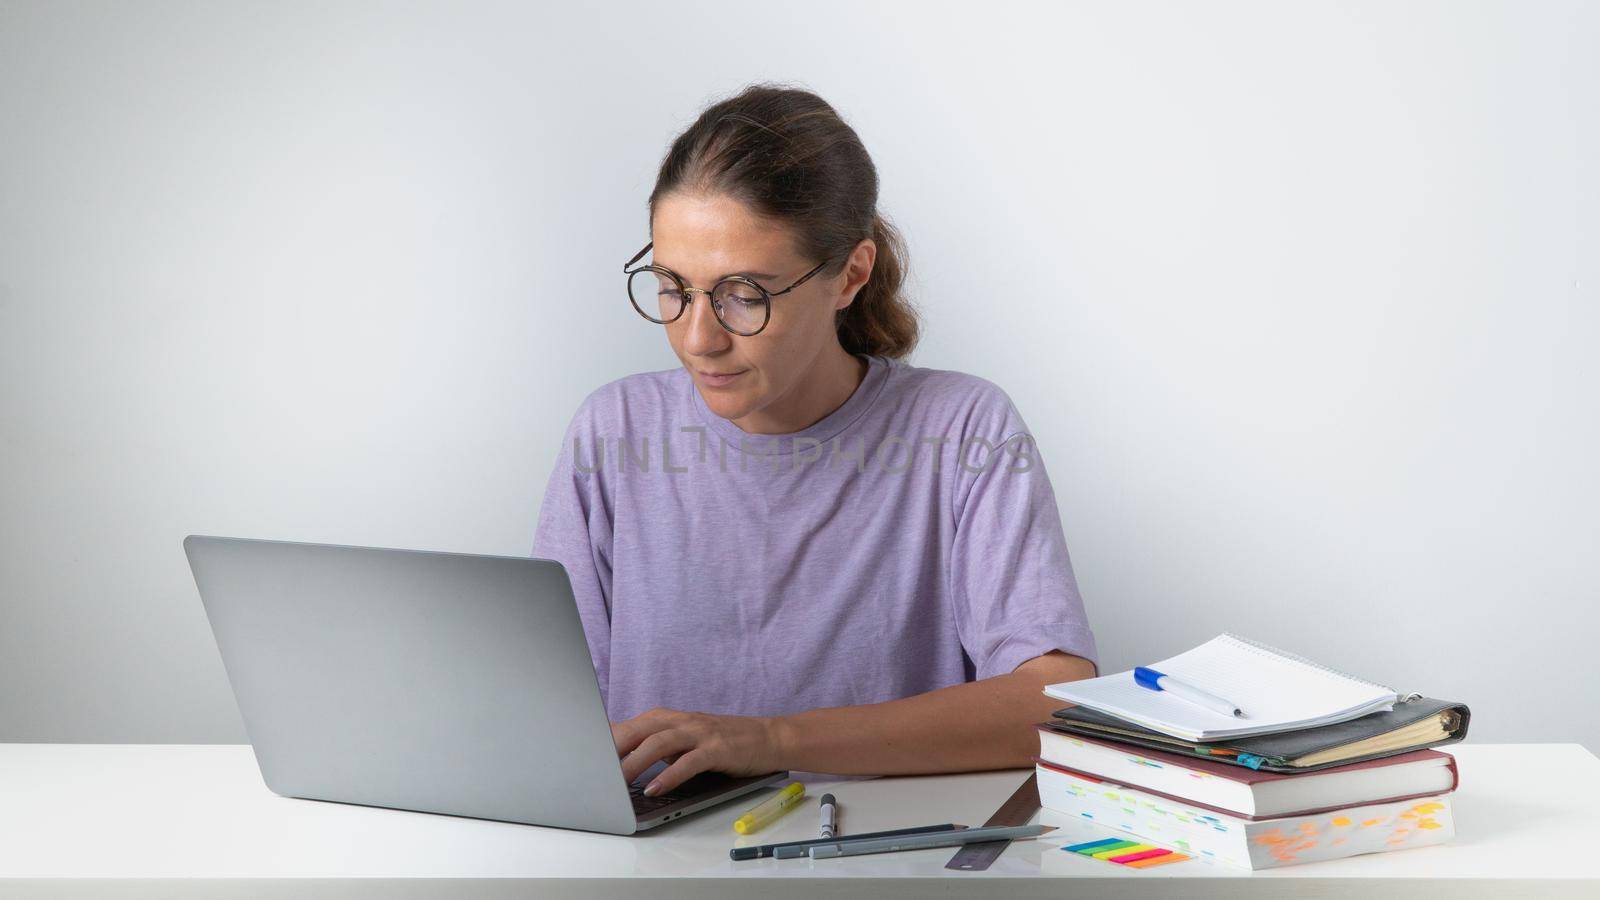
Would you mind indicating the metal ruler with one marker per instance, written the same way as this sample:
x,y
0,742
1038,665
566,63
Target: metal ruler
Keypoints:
x,y
976,857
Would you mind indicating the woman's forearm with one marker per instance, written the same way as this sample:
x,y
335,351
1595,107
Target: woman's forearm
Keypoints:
x,y
974,726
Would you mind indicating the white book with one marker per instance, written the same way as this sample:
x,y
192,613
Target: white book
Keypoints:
x,y
1277,691
1252,844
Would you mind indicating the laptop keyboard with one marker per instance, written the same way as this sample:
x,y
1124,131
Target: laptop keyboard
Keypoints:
x,y
696,787
643,804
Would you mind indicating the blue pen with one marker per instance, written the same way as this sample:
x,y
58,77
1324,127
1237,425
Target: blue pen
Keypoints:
x,y
1160,681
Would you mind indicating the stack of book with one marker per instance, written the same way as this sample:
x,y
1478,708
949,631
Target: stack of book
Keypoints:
x,y
1316,765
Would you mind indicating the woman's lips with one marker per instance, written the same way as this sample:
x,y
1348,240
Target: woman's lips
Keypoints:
x,y
719,380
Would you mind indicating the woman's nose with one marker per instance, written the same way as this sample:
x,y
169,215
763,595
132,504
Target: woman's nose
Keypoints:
x,y
705,334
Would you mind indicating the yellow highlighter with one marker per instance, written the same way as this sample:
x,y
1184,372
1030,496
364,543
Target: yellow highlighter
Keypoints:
x,y
775,806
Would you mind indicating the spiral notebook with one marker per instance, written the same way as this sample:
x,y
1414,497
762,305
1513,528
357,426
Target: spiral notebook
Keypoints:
x,y
1278,691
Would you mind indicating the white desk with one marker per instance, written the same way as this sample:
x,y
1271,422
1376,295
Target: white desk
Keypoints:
x,y
169,821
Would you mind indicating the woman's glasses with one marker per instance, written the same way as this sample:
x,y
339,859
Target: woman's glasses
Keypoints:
x,y
742,306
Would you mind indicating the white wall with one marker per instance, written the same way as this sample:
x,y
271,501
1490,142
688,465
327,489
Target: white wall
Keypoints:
x,y
1296,297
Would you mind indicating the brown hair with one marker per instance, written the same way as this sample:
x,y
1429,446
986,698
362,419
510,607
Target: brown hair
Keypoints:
x,y
788,156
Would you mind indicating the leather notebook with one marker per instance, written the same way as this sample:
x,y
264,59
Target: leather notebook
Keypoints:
x,y
1415,722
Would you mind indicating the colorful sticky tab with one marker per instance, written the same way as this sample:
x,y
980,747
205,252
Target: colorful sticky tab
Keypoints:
x,y
1112,853
1113,849
1136,855
1127,853
1157,861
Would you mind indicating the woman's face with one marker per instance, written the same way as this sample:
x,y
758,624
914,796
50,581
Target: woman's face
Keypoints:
x,y
704,239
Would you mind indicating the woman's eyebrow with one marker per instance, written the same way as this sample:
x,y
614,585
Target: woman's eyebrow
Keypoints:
x,y
767,275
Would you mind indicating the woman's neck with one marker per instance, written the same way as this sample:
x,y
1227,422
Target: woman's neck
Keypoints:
x,y
830,383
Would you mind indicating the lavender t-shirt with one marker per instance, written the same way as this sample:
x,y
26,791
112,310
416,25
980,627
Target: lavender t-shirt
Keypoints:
x,y
908,541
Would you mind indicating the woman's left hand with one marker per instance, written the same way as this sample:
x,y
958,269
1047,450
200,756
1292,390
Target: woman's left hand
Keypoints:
x,y
694,742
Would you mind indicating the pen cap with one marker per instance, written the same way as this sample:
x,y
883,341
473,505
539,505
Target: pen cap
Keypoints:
x,y
1146,677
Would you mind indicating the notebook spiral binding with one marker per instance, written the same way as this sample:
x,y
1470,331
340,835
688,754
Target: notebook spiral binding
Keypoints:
x,y
1407,698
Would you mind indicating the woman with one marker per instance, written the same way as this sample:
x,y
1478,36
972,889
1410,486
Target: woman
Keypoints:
x,y
798,551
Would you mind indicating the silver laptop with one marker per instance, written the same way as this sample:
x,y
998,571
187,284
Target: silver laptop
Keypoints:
x,y
439,682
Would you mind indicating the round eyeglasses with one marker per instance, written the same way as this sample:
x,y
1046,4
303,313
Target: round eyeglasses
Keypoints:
x,y
741,305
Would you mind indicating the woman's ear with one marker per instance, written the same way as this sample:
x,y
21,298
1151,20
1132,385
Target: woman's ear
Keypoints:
x,y
858,268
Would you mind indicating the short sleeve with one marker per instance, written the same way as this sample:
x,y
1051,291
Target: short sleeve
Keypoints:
x,y
1012,583
575,530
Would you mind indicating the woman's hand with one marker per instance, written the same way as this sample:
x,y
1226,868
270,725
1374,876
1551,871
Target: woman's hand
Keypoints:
x,y
694,742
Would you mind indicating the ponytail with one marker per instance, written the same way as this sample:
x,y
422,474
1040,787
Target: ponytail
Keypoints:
x,y
880,321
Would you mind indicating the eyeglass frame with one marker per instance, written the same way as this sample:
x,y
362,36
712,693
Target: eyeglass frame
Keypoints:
x,y
689,291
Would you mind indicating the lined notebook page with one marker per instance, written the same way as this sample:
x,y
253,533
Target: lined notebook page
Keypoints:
x,y
1276,692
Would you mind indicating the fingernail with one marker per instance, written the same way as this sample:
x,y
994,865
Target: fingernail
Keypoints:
x,y
652,789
